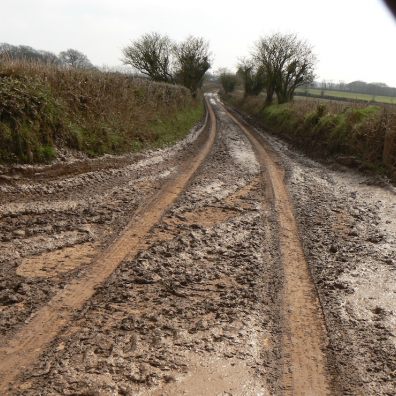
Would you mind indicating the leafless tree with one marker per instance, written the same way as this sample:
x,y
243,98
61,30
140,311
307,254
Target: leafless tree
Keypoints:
x,y
192,62
287,62
26,53
151,55
74,58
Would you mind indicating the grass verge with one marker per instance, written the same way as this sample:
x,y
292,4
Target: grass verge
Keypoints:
x,y
357,135
171,129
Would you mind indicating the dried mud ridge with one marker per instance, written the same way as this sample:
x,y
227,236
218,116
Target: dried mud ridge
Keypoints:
x,y
209,292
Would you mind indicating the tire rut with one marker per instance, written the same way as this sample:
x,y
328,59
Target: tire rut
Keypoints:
x,y
305,366
195,311
205,292
19,352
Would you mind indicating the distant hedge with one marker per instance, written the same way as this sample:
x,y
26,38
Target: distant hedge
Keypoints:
x,y
363,136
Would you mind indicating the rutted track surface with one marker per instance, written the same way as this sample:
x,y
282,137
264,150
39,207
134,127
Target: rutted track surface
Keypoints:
x,y
22,348
305,367
209,305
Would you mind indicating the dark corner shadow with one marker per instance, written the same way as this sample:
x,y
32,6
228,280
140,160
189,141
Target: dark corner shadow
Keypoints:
x,y
391,4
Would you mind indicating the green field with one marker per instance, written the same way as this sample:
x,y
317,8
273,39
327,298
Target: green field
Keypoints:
x,y
317,92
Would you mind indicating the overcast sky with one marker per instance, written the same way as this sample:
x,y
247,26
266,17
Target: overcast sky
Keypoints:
x,y
353,39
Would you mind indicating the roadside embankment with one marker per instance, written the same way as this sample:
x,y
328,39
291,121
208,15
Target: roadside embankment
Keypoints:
x,y
47,112
355,135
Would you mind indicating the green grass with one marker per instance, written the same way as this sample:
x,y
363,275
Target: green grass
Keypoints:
x,y
28,115
168,131
354,131
316,92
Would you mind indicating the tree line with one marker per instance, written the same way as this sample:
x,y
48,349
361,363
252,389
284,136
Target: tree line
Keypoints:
x,y
375,89
69,57
278,64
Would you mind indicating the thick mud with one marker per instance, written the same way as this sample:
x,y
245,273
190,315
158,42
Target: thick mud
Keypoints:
x,y
51,231
194,312
200,310
347,223
305,364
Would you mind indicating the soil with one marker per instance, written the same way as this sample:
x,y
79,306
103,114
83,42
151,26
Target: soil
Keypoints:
x,y
228,264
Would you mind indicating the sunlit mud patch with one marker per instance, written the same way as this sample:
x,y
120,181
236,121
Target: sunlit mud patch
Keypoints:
x,y
243,155
373,298
213,377
56,262
207,216
244,197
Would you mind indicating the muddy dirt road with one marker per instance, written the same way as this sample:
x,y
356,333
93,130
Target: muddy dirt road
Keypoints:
x,y
225,265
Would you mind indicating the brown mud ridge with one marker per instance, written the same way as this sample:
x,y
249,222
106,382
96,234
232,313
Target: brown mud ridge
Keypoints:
x,y
16,173
187,271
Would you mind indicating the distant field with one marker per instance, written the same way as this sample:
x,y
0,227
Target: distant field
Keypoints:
x,y
346,95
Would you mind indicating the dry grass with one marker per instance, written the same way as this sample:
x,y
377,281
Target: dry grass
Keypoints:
x,y
43,107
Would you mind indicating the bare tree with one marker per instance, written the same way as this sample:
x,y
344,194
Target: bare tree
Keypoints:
x,y
26,53
192,62
287,62
228,81
253,77
74,58
151,55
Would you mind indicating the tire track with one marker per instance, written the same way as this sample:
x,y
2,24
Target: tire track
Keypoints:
x,y
19,352
192,313
304,333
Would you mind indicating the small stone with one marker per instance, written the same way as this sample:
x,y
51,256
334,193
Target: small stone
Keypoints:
x,y
23,289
